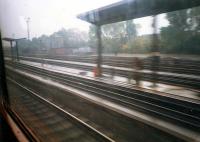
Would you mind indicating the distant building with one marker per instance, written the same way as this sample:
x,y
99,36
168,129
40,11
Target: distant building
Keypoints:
x,y
57,42
60,51
84,50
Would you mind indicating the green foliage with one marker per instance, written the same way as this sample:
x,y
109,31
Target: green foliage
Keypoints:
x,y
113,36
182,35
117,36
92,37
131,29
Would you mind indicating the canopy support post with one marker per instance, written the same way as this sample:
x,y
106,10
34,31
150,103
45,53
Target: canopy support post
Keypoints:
x,y
17,50
12,52
99,50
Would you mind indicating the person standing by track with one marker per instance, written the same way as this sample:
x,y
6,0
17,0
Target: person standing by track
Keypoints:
x,y
137,66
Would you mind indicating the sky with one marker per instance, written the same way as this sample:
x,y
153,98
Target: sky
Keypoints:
x,y
49,16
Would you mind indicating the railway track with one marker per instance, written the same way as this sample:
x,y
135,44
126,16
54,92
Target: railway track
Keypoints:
x,y
166,64
166,78
183,113
49,122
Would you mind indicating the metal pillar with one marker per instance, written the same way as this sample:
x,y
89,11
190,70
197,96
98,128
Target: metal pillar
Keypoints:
x,y
17,50
155,45
99,50
155,51
28,27
12,52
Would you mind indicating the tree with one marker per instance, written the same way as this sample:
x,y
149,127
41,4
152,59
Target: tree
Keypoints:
x,y
182,35
92,37
114,36
131,29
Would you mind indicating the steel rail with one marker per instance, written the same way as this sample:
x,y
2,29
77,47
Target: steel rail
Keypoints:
x,y
76,121
180,79
188,119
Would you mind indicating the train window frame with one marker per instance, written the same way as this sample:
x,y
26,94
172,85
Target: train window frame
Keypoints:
x,y
84,16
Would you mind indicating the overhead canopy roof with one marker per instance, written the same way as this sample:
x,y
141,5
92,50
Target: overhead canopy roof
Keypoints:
x,y
12,39
131,9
